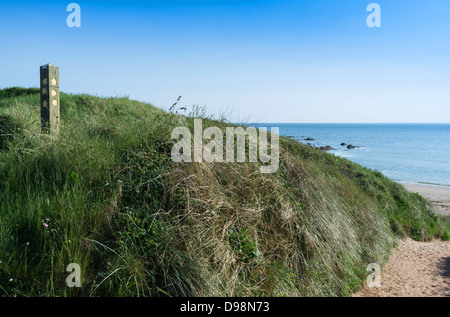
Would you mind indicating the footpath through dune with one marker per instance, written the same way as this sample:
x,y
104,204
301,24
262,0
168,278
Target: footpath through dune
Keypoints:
x,y
417,269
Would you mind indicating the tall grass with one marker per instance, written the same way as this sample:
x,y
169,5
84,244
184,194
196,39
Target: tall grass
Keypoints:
x,y
140,225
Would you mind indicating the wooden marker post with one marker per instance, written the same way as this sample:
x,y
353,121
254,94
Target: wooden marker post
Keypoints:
x,y
50,112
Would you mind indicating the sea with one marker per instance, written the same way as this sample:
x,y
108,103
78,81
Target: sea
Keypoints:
x,y
415,153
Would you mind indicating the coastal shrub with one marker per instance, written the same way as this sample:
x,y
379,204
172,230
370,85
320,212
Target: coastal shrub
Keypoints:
x,y
445,220
17,92
242,244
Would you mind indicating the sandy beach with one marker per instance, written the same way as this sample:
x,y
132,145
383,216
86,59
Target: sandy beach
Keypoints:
x,y
439,196
418,269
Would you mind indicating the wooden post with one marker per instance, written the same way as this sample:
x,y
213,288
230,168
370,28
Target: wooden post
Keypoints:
x,y
50,112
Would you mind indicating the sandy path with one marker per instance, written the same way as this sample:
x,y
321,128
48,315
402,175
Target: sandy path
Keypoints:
x,y
417,269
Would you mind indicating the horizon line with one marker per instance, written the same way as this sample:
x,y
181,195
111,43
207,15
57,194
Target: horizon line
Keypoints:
x,y
347,123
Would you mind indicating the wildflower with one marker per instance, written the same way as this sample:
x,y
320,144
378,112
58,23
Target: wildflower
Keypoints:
x,y
45,225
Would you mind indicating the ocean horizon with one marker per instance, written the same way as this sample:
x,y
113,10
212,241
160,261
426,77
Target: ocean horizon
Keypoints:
x,y
404,152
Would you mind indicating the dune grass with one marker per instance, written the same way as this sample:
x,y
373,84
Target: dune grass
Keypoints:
x,y
139,224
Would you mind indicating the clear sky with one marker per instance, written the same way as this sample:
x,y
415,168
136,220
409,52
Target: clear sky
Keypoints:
x,y
260,60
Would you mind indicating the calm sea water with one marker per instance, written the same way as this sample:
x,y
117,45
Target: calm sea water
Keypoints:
x,y
402,152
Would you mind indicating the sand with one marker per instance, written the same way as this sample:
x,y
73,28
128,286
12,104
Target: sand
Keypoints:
x,y
439,196
417,269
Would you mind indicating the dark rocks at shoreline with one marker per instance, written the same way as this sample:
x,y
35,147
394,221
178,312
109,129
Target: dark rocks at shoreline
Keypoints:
x,y
329,147
326,148
350,146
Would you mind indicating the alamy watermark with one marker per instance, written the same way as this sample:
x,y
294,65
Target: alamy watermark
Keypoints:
x,y
74,18
374,18
74,279
374,279
238,140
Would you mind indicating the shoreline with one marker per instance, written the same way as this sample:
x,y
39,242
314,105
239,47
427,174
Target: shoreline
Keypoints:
x,y
421,183
438,195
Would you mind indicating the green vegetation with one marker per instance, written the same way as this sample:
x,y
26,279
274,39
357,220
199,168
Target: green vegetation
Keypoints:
x,y
141,225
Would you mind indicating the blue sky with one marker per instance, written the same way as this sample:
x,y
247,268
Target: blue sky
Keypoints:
x,y
256,60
